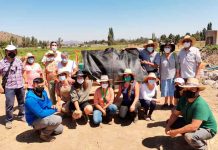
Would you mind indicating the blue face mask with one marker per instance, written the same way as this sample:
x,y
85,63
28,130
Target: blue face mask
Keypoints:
x,y
150,49
64,61
152,82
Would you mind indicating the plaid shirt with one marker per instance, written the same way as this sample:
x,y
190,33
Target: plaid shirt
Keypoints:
x,y
15,76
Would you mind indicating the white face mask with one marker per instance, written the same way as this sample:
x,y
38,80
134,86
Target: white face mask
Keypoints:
x,y
62,78
187,44
151,82
64,61
31,60
104,85
150,49
54,48
49,58
80,81
167,50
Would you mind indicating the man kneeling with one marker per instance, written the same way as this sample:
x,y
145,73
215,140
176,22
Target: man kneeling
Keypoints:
x,y
40,113
197,123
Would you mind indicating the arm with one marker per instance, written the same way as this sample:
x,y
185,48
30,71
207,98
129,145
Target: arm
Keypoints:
x,y
111,91
198,70
136,99
76,104
198,60
96,98
175,114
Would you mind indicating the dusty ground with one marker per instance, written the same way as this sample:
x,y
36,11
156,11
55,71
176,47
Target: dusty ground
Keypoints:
x,y
121,135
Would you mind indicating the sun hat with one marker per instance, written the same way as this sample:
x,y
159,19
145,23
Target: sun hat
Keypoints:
x,y
151,42
63,70
127,71
29,55
179,80
150,75
172,45
10,48
193,83
187,37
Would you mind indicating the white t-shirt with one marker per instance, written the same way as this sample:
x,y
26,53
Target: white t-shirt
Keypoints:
x,y
145,93
56,59
69,67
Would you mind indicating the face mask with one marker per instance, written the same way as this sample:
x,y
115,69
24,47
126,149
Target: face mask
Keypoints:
x,y
190,94
127,79
104,85
62,78
64,61
30,60
187,44
177,92
39,89
150,49
167,50
11,55
80,81
151,82
54,48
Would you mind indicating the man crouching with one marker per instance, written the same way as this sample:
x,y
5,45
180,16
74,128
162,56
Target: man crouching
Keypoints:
x,y
197,123
40,113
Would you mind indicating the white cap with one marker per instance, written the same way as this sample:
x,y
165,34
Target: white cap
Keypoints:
x,y
179,80
10,47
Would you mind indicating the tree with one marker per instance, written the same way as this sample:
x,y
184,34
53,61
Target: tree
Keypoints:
x,y
177,38
110,36
171,38
13,40
203,34
153,37
209,26
163,38
60,42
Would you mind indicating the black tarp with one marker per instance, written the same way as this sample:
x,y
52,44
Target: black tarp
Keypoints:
x,y
112,62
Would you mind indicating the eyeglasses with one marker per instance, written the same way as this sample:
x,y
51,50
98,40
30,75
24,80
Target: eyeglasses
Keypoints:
x,y
53,45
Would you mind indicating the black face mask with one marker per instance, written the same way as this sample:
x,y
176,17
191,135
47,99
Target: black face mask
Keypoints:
x,y
190,94
177,92
39,89
11,55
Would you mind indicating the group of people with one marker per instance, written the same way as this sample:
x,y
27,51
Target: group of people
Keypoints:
x,y
69,90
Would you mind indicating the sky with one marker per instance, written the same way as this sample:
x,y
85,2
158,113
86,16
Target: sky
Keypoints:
x,y
84,20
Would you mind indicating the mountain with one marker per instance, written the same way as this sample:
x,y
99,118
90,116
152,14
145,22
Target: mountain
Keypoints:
x,y
72,42
7,37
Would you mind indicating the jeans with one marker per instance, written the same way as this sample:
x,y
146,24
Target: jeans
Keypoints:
x,y
48,125
51,89
97,114
148,105
195,139
10,96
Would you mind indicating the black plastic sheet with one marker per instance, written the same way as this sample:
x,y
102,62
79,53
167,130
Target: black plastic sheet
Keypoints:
x,y
112,63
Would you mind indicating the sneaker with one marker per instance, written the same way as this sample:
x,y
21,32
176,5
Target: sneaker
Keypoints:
x,y
147,118
111,121
8,125
152,119
171,106
22,118
46,138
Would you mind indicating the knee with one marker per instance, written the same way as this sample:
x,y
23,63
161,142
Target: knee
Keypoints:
x,y
97,117
123,111
58,120
88,109
59,129
113,108
188,137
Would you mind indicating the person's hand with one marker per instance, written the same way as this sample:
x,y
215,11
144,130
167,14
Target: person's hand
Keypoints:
x,y
172,133
167,129
104,113
1,90
132,108
54,107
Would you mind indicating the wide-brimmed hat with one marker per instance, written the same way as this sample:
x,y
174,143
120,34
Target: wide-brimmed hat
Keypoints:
x,y
127,71
193,83
10,48
187,37
63,70
29,55
172,45
79,73
179,80
151,42
150,75
104,78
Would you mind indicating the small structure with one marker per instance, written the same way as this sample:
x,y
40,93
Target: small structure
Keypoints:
x,y
211,37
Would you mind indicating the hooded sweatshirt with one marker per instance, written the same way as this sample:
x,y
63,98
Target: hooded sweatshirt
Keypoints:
x,y
37,107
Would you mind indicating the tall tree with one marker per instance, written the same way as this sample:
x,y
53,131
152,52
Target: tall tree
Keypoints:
x,y
60,42
110,36
209,26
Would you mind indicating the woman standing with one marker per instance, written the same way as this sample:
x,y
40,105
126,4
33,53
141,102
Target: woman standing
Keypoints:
x,y
168,70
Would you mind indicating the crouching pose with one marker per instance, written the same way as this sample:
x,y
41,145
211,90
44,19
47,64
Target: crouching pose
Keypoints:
x,y
40,113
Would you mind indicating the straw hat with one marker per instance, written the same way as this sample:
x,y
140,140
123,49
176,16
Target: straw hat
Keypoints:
x,y
104,78
193,83
29,55
151,42
127,71
150,75
50,52
10,48
187,37
62,70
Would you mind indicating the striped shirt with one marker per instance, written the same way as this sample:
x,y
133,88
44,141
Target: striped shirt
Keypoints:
x,y
15,76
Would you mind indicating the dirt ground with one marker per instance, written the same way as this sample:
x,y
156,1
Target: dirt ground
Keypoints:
x,y
85,136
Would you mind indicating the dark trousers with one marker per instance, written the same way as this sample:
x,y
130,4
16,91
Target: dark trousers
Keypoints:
x,y
148,105
10,96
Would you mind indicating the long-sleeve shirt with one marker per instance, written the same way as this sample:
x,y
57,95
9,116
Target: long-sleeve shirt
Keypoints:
x,y
37,107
